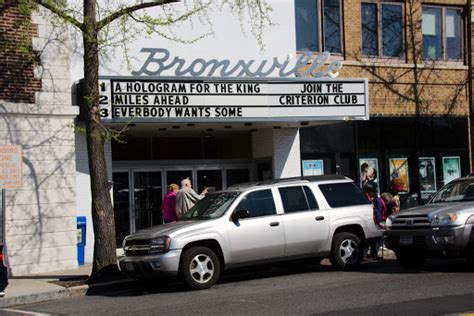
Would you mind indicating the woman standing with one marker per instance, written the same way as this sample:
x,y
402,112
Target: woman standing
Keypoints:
x,y
169,204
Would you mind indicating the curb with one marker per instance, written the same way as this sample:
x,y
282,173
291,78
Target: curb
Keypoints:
x,y
73,291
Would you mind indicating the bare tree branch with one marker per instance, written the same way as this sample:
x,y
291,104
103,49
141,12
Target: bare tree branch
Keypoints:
x,y
128,10
51,6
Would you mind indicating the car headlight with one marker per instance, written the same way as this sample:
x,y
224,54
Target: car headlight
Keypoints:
x,y
160,244
444,220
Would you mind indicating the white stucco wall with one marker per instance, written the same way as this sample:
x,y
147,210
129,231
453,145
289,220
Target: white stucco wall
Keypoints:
x,y
40,217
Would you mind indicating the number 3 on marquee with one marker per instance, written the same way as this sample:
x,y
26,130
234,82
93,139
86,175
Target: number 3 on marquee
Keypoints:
x,y
104,112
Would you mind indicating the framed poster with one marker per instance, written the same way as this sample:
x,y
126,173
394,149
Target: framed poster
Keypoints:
x,y
369,171
313,167
399,174
451,168
427,172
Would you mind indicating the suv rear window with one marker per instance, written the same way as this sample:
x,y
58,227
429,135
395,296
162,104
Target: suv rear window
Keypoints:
x,y
297,199
343,194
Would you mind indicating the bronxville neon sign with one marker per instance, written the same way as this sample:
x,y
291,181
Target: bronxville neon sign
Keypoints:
x,y
159,60
306,88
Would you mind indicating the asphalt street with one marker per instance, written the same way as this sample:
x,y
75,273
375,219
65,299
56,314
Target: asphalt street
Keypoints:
x,y
297,289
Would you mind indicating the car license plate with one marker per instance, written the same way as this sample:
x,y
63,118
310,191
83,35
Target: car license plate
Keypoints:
x,y
129,266
406,240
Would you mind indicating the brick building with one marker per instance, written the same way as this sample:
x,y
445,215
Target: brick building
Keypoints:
x,y
415,56
414,130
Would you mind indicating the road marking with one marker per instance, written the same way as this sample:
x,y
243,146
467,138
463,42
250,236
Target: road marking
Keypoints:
x,y
7,312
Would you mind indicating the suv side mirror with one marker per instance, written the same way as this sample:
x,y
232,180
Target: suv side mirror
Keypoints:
x,y
240,214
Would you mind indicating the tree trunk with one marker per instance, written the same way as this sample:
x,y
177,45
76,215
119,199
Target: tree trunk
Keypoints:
x,y
105,257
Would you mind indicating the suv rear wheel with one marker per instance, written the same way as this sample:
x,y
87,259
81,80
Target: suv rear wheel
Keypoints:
x,y
347,251
200,268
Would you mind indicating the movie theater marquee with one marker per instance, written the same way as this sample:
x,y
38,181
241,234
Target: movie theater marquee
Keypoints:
x,y
176,100
305,89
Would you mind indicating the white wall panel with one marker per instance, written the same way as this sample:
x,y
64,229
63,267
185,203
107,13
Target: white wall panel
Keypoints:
x,y
34,226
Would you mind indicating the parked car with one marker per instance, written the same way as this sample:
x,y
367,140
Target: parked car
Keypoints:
x,y
441,228
248,224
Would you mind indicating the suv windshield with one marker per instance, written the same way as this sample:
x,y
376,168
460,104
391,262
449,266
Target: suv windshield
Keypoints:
x,y
212,206
456,191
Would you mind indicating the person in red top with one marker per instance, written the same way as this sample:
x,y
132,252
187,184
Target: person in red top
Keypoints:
x,y
169,204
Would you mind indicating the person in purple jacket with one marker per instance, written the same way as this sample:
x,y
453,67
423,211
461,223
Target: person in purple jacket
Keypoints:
x,y
169,204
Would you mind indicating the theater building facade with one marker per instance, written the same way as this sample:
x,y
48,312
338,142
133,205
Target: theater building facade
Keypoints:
x,y
414,56
378,91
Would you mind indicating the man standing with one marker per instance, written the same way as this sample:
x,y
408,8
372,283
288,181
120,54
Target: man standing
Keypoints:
x,y
186,197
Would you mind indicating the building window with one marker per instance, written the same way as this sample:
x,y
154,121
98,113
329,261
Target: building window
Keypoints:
x,y
382,29
318,25
442,33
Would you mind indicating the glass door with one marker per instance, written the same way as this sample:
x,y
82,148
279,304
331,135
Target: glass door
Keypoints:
x,y
175,176
121,193
210,179
147,198
236,176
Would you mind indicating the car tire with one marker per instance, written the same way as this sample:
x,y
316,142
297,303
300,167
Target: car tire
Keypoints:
x,y
410,259
200,268
347,251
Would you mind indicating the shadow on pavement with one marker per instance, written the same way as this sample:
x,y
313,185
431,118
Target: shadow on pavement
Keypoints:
x,y
432,265
391,266
140,287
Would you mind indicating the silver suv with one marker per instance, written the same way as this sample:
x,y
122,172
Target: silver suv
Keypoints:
x,y
265,222
441,228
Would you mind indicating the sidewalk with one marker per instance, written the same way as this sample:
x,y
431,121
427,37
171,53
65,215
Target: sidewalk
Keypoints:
x,y
38,288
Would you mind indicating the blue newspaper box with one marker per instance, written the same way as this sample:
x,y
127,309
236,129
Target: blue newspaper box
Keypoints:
x,y
81,238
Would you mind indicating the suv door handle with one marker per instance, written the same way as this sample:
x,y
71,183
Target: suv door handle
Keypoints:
x,y
273,224
319,218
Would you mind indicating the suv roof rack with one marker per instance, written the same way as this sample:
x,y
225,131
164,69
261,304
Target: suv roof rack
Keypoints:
x,y
292,179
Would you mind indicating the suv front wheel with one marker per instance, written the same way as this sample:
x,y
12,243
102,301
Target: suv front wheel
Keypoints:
x,y
347,251
200,268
